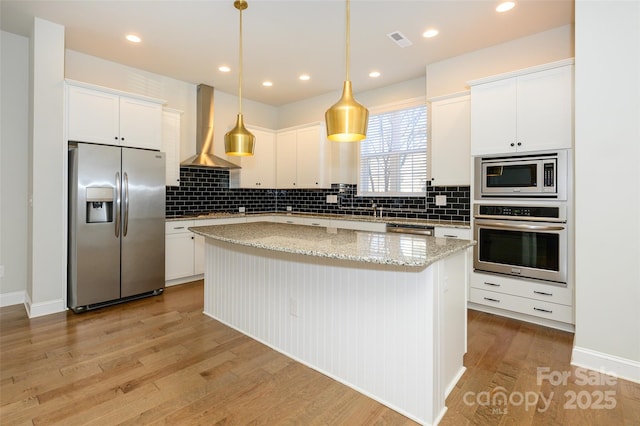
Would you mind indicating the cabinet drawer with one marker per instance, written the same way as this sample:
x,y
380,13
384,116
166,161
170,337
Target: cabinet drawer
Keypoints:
x,y
523,288
538,308
177,226
447,232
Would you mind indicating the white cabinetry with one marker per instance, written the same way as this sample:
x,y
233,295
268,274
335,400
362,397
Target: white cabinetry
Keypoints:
x,y
179,250
449,232
109,117
528,110
450,159
537,301
258,170
171,144
303,158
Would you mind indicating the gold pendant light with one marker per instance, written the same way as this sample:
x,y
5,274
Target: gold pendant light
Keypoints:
x,y
347,120
239,141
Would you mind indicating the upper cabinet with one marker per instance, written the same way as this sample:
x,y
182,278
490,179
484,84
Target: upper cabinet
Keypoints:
x,y
171,131
528,110
450,159
258,170
303,157
103,116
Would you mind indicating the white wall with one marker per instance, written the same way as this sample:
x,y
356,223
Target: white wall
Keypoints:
x,y
46,227
14,133
607,157
451,75
178,94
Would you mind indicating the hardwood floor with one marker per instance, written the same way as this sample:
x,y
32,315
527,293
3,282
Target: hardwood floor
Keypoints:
x,y
161,361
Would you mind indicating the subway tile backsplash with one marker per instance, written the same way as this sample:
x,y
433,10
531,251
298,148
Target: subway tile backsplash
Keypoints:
x,y
204,190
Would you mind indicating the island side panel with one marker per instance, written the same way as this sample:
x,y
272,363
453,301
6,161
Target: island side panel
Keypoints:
x,y
372,327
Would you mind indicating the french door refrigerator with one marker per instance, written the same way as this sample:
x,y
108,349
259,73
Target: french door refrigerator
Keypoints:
x,y
116,224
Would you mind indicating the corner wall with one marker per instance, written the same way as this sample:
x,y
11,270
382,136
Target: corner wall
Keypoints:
x,y
14,111
607,155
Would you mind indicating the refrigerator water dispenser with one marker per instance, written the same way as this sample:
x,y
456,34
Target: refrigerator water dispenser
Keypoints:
x,y
99,204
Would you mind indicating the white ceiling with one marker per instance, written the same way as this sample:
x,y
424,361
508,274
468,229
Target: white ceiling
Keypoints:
x,y
189,40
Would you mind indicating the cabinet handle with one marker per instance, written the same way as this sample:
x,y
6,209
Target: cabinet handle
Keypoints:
x,y
192,237
315,224
116,138
512,144
519,143
450,236
542,293
122,139
492,284
178,227
492,300
546,311
289,221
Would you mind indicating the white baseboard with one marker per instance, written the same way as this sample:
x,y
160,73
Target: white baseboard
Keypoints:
x,y
13,298
622,368
43,308
184,280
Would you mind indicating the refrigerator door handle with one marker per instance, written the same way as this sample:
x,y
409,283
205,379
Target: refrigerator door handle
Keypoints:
x,y
118,203
125,224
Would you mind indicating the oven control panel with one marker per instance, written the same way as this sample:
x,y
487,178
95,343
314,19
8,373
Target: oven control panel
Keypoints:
x,y
519,211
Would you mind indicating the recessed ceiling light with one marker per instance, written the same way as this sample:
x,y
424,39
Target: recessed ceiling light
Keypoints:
x,y
267,83
304,77
374,74
224,68
505,6
431,32
133,38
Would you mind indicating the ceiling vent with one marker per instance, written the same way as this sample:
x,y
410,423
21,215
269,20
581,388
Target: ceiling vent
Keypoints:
x,y
398,38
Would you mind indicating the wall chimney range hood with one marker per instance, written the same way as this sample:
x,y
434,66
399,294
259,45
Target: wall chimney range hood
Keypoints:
x,y
204,134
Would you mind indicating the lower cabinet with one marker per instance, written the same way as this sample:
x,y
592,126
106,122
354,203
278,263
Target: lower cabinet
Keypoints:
x,y
179,250
522,297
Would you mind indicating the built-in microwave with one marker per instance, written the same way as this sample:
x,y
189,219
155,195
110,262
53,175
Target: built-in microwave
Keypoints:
x,y
522,176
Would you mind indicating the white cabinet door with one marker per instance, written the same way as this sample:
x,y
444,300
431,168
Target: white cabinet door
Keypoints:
x,y
140,123
286,157
450,159
493,117
179,255
171,145
258,170
545,105
92,116
313,158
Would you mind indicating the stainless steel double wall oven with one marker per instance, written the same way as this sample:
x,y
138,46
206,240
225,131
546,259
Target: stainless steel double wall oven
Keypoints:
x,y
520,216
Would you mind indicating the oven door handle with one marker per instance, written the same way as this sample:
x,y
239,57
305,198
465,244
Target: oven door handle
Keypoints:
x,y
500,225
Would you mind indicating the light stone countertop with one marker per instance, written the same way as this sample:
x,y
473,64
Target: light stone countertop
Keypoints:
x,y
358,218
360,246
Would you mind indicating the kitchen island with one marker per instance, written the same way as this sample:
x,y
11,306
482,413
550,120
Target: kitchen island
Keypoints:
x,y
382,313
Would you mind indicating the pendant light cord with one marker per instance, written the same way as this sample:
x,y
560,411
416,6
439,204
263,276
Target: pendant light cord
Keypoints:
x,y
240,70
348,38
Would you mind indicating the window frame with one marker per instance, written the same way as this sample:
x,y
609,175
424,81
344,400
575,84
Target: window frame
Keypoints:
x,y
390,107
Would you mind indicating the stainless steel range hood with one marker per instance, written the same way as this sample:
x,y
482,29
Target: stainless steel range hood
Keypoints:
x,y
204,134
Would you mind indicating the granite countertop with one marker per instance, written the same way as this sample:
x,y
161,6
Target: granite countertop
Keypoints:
x,y
360,246
360,218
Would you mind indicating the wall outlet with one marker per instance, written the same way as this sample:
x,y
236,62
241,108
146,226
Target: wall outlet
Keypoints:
x,y
293,307
289,208
241,209
441,200
1,271
332,198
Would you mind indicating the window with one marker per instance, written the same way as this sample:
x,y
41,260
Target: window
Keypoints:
x,y
393,157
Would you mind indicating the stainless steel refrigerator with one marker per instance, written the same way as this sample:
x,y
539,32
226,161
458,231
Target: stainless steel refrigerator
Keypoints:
x,y
116,224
